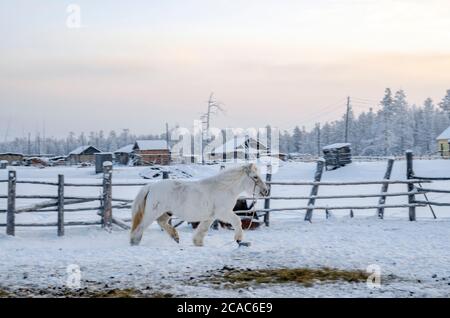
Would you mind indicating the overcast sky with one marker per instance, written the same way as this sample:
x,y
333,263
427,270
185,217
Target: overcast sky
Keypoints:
x,y
138,64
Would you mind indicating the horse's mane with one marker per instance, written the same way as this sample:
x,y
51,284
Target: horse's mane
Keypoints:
x,y
227,177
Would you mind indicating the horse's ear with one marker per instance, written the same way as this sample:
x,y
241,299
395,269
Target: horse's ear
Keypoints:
x,y
249,168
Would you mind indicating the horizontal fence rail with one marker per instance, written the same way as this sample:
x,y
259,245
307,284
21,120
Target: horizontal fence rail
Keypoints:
x,y
322,183
433,178
356,207
343,196
425,190
60,203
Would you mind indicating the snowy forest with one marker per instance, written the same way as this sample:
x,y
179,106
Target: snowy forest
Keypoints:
x,y
395,127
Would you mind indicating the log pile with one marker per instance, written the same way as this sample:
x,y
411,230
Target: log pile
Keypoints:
x,y
337,155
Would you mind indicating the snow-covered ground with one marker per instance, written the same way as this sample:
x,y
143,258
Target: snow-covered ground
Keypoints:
x,y
415,253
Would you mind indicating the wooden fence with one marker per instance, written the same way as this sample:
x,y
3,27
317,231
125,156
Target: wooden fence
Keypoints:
x,y
413,185
59,202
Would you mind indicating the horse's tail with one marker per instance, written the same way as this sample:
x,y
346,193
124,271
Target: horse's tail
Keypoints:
x,y
137,216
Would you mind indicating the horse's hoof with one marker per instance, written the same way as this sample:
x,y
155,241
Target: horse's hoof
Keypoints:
x,y
197,243
246,244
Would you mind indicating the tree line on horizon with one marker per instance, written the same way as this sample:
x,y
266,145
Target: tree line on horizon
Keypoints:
x,y
396,127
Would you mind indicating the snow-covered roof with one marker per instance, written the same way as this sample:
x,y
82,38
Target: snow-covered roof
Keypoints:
x,y
82,149
11,154
445,134
126,149
150,144
230,145
337,145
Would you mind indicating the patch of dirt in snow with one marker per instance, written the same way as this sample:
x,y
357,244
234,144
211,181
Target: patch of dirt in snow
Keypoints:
x,y
307,277
58,292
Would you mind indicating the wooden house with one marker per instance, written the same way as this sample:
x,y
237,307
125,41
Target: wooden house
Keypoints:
x,y
238,148
11,157
444,143
83,154
150,152
124,155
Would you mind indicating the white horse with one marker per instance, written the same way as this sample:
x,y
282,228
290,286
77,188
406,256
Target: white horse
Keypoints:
x,y
201,201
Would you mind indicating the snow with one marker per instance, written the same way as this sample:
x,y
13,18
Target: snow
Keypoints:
x,y
151,144
81,149
126,149
445,134
230,145
416,253
336,146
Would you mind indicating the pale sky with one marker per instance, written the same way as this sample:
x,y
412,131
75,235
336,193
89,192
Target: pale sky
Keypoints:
x,y
138,64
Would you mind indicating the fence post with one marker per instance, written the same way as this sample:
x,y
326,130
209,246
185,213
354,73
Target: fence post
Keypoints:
x,y
410,175
61,205
107,196
267,201
165,176
315,188
10,216
384,188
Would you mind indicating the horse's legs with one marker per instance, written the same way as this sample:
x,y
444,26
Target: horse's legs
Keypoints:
x,y
146,220
201,231
163,221
235,221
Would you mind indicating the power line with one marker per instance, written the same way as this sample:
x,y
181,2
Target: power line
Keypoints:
x,y
326,110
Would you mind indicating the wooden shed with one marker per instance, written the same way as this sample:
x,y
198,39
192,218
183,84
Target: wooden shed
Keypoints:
x,y
238,148
444,143
11,157
83,154
150,152
124,155
337,155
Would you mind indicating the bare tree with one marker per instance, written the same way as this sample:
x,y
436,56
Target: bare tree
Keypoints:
x,y
214,107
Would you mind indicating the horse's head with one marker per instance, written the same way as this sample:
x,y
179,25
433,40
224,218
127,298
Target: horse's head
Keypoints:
x,y
254,180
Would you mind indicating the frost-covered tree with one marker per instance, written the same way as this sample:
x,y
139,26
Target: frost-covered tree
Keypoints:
x,y
387,114
445,103
297,139
402,124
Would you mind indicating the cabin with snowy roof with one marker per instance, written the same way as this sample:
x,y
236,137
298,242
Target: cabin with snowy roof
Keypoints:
x,y
83,154
124,155
238,148
444,143
11,157
151,152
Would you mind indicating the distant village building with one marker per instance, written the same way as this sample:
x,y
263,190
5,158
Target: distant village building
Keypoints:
x,y
83,154
58,160
337,155
238,148
150,152
444,143
11,157
124,155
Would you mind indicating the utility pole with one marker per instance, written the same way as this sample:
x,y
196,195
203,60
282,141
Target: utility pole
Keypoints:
x,y
167,135
347,115
318,139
